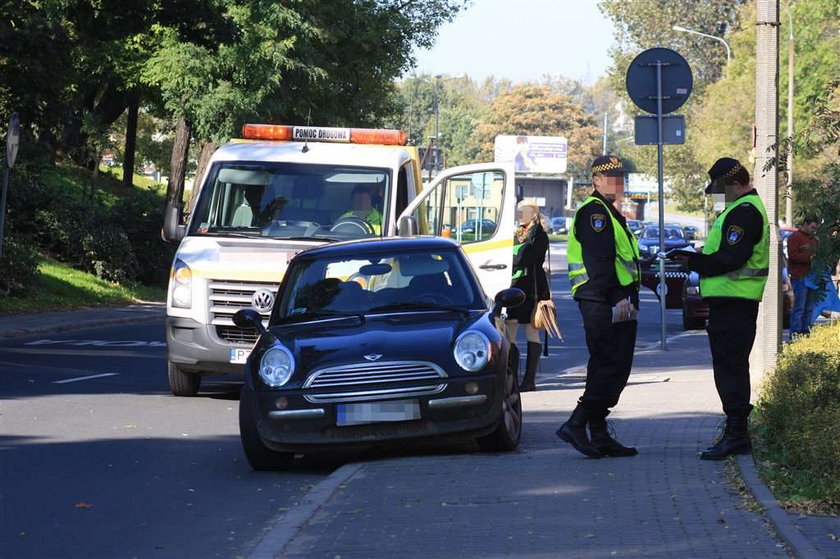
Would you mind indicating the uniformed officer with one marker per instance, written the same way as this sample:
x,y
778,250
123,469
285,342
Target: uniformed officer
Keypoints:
x,y
603,258
733,271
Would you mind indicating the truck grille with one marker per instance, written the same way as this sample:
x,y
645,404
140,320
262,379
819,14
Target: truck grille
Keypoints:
x,y
356,382
227,297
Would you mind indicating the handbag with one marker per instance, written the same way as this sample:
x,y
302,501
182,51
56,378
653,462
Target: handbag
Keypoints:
x,y
544,315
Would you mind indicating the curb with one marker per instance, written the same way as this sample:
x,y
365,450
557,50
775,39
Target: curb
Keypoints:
x,y
287,526
94,323
801,547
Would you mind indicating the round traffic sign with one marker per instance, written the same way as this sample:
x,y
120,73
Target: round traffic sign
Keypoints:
x,y
677,80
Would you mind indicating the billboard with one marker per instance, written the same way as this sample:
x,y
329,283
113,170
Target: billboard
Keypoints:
x,y
533,154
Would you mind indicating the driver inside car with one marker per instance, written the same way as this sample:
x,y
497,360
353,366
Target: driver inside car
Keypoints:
x,y
360,200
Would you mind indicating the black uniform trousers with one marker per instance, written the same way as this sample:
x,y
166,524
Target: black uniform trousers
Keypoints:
x,y
611,348
731,335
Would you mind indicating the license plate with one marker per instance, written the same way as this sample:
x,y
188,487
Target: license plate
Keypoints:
x,y
377,412
239,354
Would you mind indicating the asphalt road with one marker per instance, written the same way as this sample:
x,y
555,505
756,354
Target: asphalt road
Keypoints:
x,y
97,459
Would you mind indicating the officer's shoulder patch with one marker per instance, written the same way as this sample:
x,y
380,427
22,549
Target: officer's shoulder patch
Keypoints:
x,y
734,234
598,221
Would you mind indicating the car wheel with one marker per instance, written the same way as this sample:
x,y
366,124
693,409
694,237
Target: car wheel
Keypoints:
x,y
692,323
259,456
507,434
182,383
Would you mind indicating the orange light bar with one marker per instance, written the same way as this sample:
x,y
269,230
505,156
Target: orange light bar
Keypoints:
x,y
267,132
280,132
378,136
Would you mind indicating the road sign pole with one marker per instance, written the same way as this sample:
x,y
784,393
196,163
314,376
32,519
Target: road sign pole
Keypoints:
x,y
3,208
663,293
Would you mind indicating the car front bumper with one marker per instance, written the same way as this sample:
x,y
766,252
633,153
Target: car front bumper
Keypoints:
x,y
195,348
288,422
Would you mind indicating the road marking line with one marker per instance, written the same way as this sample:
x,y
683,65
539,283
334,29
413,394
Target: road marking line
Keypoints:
x,y
77,379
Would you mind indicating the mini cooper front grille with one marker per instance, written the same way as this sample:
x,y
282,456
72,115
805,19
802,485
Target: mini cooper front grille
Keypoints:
x,y
369,381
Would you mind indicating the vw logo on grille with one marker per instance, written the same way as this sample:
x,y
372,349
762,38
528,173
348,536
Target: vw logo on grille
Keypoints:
x,y
262,300
372,356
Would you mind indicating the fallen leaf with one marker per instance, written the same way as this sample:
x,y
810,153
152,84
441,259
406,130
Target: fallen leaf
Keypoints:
x,y
83,505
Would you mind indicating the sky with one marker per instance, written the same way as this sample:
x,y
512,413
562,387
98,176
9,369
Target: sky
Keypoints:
x,y
522,40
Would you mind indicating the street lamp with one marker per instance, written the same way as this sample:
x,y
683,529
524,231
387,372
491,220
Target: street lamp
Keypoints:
x,y
684,30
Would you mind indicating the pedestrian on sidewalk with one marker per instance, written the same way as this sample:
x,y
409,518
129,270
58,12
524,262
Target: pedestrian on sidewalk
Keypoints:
x,y
530,247
802,248
733,271
603,258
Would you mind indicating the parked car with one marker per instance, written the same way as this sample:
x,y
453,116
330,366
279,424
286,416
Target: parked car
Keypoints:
x,y
690,232
675,276
470,226
635,226
649,240
558,226
379,340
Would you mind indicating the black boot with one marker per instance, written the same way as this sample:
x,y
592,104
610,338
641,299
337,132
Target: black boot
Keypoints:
x,y
531,363
735,440
603,441
574,433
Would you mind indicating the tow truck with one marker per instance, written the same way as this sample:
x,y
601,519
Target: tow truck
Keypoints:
x,y
281,189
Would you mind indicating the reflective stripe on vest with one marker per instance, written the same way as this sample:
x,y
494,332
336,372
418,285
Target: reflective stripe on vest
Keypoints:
x,y
747,282
626,252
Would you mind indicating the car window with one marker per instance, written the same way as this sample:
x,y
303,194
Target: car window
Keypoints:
x,y
366,283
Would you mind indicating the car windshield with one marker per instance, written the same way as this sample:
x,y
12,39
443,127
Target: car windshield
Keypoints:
x,y
670,233
292,200
380,282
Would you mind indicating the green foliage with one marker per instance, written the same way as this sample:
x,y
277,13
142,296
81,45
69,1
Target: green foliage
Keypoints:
x,y
18,266
797,425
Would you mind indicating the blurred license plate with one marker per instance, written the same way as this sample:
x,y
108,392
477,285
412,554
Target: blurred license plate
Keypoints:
x,y
239,354
376,412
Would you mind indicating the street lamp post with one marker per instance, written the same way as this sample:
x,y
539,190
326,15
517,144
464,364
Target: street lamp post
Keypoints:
x,y
716,38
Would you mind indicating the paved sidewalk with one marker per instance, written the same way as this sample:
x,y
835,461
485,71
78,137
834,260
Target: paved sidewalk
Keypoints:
x,y
546,500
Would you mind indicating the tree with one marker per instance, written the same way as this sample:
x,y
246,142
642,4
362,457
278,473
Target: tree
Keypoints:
x,y
530,110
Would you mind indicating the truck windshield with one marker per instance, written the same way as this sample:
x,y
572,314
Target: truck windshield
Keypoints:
x,y
292,200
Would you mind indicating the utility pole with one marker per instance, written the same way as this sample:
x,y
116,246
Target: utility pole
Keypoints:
x,y
789,178
769,331
604,150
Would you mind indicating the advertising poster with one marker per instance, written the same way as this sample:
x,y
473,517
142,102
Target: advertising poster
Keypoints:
x,y
533,154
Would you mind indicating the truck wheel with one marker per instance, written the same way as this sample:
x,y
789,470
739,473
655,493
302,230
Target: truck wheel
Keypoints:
x,y
259,456
506,436
182,383
691,323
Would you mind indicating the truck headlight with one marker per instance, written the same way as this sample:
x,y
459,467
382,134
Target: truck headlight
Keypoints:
x,y
181,285
276,366
472,350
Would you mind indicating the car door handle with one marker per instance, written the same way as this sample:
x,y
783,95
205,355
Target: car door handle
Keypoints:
x,y
493,266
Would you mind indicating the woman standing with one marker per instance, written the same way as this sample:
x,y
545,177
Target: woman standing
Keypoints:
x,y
530,248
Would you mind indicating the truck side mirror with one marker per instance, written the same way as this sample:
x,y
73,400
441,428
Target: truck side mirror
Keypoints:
x,y
407,226
172,230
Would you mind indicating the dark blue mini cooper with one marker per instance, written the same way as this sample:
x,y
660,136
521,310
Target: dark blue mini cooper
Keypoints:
x,y
379,340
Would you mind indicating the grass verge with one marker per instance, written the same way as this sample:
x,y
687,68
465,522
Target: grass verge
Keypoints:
x,y
60,287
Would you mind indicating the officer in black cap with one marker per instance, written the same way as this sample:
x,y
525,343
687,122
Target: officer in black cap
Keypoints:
x,y
603,258
733,271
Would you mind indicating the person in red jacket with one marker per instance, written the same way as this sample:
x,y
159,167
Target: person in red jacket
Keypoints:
x,y
801,248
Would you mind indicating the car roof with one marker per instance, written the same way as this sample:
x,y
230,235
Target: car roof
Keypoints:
x,y
316,153
390,244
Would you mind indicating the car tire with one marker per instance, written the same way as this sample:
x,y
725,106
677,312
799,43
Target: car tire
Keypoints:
x,y
182,383
507,434
692,323
260,457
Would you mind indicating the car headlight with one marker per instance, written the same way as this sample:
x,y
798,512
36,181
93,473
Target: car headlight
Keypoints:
x,y
653,249
472,350
276,366
181,285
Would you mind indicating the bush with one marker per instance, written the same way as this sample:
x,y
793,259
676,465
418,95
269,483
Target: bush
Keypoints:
x,y
18,266
798,421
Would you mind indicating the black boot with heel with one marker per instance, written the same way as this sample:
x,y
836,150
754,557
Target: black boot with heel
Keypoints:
x,y
531,363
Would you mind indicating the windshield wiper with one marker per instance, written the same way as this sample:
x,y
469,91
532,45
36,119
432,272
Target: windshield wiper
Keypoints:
x,y
410,306
312,238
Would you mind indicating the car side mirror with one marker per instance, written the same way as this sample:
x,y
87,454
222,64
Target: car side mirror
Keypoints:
x,y
510,297
249,318
407,226
172,230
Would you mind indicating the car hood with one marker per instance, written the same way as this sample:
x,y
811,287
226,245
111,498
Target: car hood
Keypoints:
x,y
417,336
